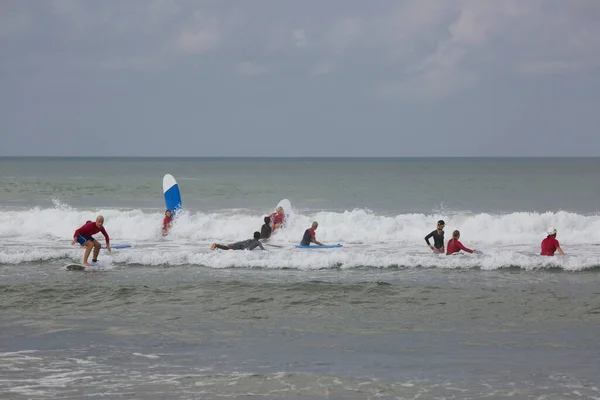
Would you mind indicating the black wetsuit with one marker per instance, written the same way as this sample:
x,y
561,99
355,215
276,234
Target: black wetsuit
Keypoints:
x,y
309,236
249,244
265,231
438,239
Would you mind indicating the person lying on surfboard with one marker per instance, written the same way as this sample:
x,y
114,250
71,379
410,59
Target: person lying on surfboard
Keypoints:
x,y
277,219
454,245
166,222
84,237
265,230
249,244
309,236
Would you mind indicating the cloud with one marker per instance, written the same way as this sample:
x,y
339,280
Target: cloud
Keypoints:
x,y
547,67
205,31
250,68
299,36
14,24
197,41
431,84
343,34
118,36
438,75
469,39
323,68
428,48
14,19
557,40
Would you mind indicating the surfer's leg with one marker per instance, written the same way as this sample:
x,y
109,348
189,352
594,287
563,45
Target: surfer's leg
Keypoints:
x,y
88,249
97,247
219,246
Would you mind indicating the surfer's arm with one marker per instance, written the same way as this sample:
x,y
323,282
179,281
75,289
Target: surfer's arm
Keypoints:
x,y
562,253
462,247
427,240
75,236
106,238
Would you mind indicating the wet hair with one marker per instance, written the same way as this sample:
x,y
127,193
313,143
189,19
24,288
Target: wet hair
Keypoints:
x,y
256,235
455,234
168,211
267,220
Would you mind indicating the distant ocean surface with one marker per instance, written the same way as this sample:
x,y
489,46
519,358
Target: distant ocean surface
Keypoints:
x,y
382,317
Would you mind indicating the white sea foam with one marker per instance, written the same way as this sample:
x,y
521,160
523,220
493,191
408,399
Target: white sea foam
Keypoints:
x,y
45,234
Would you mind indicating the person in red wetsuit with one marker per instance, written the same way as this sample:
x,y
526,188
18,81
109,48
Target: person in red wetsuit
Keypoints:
x,y
277,219
550,244
166,222
454,245
84,237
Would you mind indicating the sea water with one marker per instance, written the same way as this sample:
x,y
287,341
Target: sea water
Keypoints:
x,y
381,317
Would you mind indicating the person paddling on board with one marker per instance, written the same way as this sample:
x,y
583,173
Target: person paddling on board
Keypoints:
x,y
249,244
83,236
454,245
309,236
277,218
265,230
438,238
550,244
166,222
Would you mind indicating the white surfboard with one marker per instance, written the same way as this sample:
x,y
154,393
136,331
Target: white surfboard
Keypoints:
x,y
287,210
80,267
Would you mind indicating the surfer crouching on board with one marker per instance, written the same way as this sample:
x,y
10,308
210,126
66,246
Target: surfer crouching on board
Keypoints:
x,y
83,236
277,218
309,236
166,222
249,244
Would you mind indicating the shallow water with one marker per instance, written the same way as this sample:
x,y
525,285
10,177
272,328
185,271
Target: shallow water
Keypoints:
x,y
380,318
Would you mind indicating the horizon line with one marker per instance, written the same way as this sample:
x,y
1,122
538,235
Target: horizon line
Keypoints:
x,y
303,157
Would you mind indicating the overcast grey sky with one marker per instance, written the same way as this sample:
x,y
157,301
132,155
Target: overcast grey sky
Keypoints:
x,y
300,78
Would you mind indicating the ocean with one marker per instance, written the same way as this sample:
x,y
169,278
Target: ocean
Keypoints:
x,y
379,318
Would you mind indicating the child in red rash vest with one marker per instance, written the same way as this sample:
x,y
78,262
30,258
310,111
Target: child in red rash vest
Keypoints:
x,y
454,245
166,222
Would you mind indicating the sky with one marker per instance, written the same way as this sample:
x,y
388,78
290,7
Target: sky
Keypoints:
x,y
311,78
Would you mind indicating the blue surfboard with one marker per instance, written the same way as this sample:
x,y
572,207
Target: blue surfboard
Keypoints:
x,y
171,193
331,246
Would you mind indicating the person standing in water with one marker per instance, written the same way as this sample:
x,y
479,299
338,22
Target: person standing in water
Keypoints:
x,y
438,238
265,230
84,237
454,245
309,236
550,244
167,222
